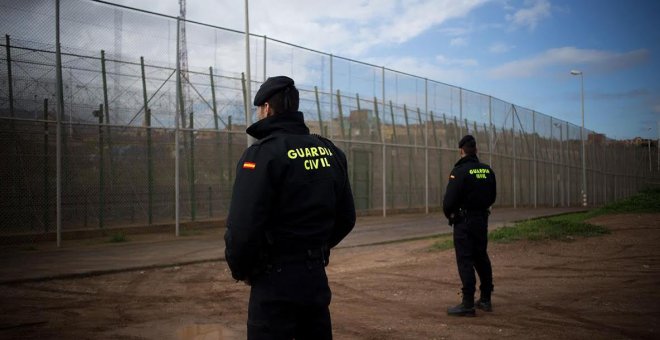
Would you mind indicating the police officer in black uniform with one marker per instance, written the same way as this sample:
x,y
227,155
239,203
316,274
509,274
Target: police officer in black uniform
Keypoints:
x,y
470,193
291,204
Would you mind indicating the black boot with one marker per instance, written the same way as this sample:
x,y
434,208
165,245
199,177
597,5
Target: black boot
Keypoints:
x,y
465,308
484,302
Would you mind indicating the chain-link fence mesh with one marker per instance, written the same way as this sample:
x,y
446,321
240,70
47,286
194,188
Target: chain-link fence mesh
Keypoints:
x,y
122,119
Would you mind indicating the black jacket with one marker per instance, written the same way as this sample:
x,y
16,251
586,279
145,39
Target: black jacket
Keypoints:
x,y
471,187
291,193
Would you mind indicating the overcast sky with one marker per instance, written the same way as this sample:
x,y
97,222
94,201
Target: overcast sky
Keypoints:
x,y
519,51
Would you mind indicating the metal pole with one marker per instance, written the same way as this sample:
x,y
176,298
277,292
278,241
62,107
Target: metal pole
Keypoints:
x,y
382,140
332,105
490,125
101,166
147,124
513,139
318,110
248,90
191,168
60,112
341,115
426,143
265,49
46,177
460,102
10,81
584,160
214,104
650,155
568,170
179,108
552,161
536,176
106,111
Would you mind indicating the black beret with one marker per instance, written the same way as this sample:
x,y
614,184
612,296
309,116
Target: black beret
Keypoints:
x,y
469,140
270,87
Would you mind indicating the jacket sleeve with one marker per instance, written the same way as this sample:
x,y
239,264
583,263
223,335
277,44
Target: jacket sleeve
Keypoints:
x,y
451,201
345,212
251,205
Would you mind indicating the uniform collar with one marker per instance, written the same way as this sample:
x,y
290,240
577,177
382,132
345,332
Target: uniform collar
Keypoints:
x,y
287,123
467,159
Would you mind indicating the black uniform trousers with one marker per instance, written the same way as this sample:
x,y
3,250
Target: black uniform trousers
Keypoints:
x,y
471,243
290,301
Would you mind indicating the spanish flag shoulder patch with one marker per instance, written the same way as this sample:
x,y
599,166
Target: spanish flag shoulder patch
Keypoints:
x,y
249,165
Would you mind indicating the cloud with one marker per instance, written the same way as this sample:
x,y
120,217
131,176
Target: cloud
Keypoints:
x,y
445,70
345,27
442,60
458,42
636,93
603,61
530,16
499,48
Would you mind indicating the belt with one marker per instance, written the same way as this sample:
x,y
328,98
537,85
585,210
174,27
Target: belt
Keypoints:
x,y
305,255
466,213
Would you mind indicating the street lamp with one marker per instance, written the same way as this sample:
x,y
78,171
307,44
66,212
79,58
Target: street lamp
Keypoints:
x,y
584,161
650,169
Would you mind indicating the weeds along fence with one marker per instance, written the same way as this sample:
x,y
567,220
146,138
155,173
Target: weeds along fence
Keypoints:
x,y
138,141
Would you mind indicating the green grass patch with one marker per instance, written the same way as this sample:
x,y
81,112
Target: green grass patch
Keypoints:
x,y
566,227
647,201
118,238
443,243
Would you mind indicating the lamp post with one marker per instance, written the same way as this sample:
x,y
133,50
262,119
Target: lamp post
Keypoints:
x,y
584,161
650,168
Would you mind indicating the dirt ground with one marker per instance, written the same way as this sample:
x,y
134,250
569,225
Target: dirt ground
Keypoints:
x,y
604,287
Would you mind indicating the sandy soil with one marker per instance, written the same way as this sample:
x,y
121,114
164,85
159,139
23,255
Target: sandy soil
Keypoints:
x,y
604,287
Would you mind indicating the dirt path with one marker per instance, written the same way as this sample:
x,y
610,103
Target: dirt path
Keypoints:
x,y
600,288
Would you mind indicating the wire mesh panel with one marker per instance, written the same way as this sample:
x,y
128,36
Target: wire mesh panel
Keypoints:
x,y
125,108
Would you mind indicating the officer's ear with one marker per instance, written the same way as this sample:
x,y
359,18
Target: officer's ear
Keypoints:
x,y
268,109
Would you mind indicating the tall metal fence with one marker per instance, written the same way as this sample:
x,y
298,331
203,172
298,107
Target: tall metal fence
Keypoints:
x,y
136,129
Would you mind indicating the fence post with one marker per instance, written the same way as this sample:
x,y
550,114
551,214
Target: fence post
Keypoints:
x,y
101,166
410,155
490,134
318,109
568,170
536,175
460,112
341,115
106,109
426,143
382,140
217,125
179,113
60,113
10,81
552,161
191,167
147,124
513,140
46,176
332,106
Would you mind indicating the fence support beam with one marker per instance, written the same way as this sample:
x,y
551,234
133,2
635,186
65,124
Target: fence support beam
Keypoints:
x,y
147,124
60,113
